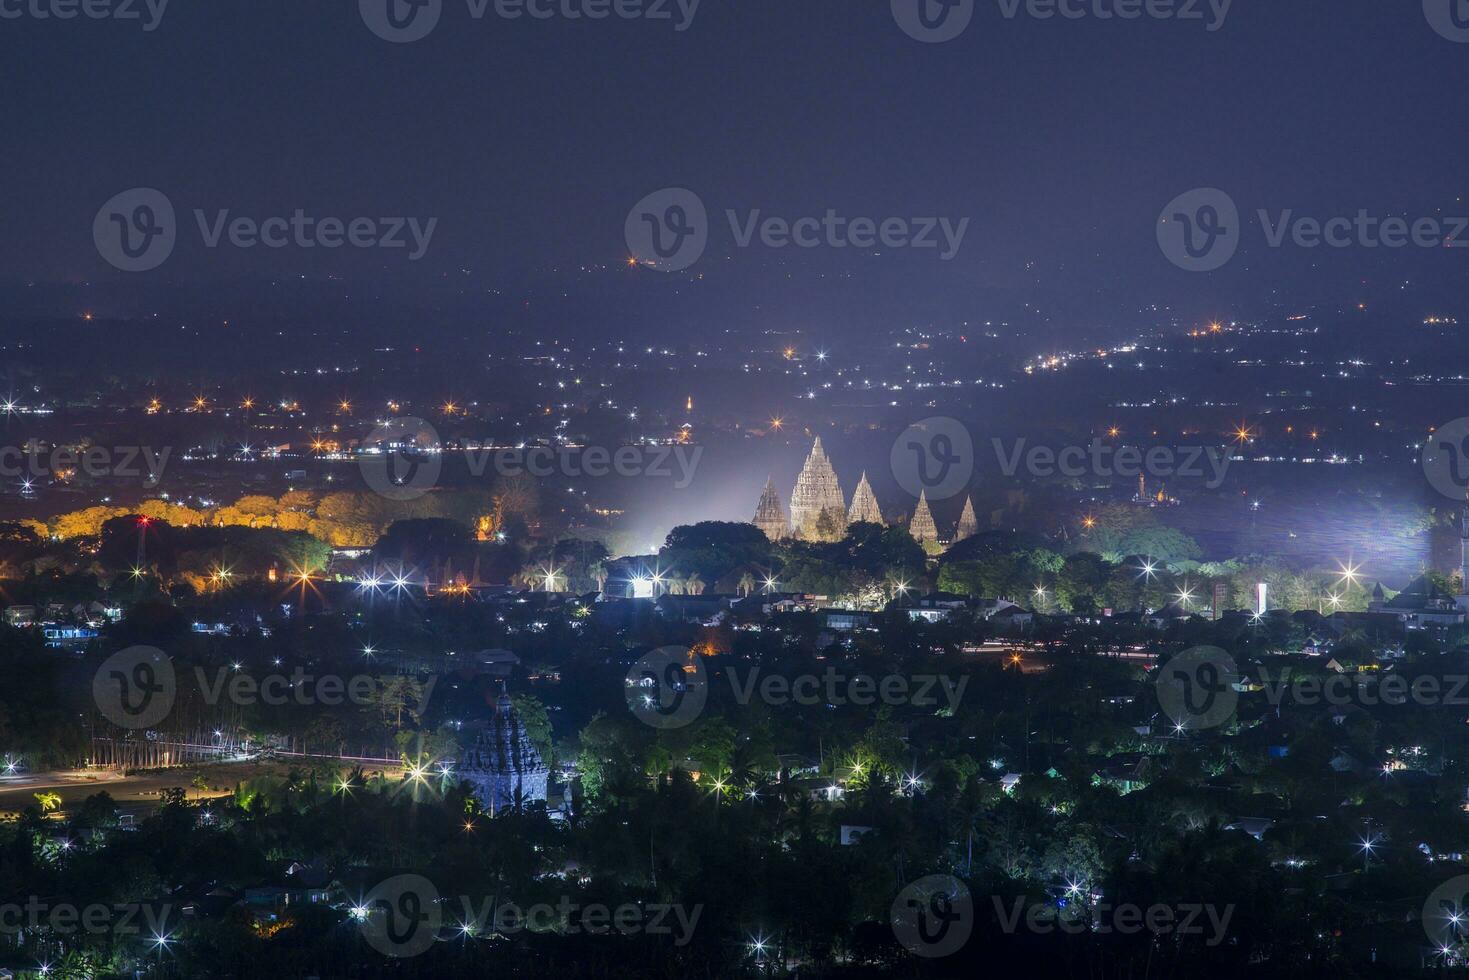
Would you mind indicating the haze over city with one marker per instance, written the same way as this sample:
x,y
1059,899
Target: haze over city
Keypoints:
x,y
663,487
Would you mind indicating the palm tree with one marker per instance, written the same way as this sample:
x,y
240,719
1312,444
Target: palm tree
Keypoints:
x,y
599,575
747,584
694,585
675,584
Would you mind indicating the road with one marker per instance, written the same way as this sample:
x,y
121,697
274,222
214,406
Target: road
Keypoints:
x,y
137,793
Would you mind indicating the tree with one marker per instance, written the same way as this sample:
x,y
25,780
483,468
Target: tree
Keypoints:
x,y
1081,581
537,721
714,548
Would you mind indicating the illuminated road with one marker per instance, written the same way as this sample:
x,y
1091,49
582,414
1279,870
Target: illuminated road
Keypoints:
x,y
132,793
135,793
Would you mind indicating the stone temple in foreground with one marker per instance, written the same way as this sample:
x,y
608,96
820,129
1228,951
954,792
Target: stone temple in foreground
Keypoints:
x,y
503,763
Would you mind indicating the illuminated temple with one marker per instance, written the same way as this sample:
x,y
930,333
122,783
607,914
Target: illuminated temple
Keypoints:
x,y
770,514
819,493
817,490
864,504
922,527
503,765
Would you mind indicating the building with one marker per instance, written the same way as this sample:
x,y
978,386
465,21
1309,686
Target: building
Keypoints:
x,y
922,527
503,765
968,523
1418,606
817,491
864,504
770,514
1464,554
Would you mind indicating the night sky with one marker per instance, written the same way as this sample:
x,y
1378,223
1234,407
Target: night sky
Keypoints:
x,y
530,140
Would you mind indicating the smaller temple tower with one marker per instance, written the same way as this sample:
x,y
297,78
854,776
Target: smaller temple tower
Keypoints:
x,y
922,527
770,514
864,504
968,523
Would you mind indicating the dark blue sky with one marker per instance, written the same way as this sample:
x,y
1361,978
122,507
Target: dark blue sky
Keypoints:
x,y
530,140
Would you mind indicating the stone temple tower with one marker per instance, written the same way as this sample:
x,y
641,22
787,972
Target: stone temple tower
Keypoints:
x,y
770,515
968,523
922,527
502,762
816,490
864,504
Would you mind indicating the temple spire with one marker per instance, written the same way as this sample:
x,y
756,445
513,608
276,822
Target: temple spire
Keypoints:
x,y
864,504
922,527
968,523
817,492
770,514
